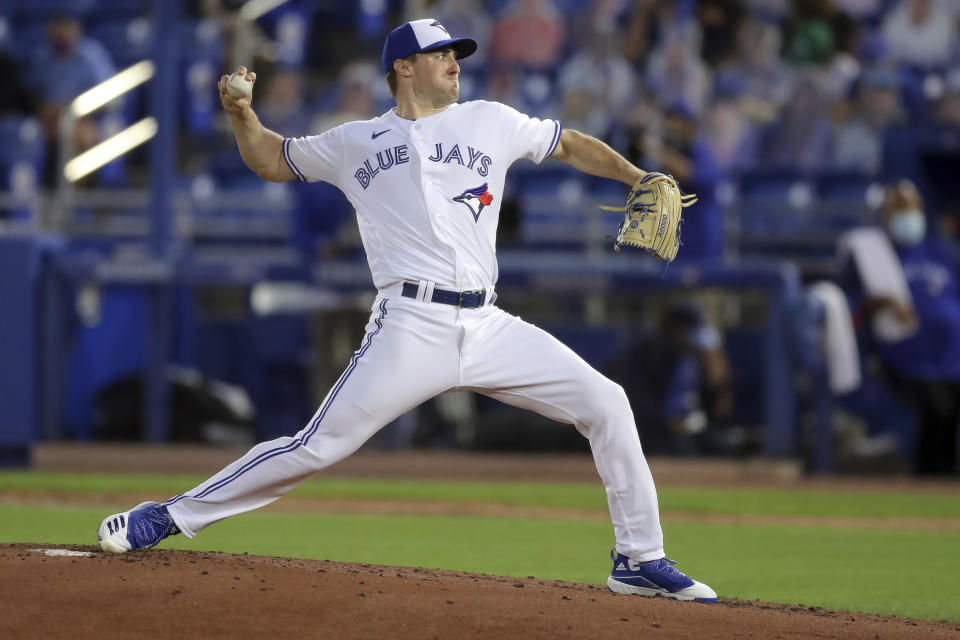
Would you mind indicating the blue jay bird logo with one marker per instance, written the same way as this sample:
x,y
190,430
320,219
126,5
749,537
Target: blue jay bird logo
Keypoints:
x,y
440,26
480,194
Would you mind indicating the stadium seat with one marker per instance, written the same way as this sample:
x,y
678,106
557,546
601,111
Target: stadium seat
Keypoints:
x,y
774,201
43,9
115,9
844,200
26,38
128,40
779,216
552,203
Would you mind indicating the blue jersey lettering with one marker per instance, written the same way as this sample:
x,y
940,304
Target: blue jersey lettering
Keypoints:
x,y
454,155
363,177
385,163
485,162
475,155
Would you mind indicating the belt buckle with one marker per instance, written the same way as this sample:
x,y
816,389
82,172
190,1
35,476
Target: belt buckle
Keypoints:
x,y
475,292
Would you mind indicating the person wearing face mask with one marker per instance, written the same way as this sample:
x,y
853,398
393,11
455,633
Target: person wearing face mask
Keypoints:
x,y
922,364
63,66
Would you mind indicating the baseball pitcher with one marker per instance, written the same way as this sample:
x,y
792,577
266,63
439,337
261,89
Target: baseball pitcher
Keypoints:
x,y
427,179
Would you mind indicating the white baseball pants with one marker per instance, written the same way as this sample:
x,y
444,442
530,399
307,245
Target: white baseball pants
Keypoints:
x,y
415,350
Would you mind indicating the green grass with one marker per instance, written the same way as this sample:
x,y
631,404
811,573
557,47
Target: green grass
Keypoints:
x,y
906,573
569,495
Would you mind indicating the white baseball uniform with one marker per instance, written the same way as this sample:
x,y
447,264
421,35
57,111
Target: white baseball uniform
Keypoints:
x,y
427,194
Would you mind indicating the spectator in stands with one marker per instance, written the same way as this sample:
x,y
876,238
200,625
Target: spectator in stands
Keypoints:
x,y
281,105
685,155
765,79
811,40
858,141
505,85
597,85
355,96
729,132
921,32
641,32
719,22
651,20
675,72
841,71
678,379
529,33
923,368
65,65
801,138
467,16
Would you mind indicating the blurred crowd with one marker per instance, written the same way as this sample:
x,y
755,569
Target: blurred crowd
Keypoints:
x,y
702,89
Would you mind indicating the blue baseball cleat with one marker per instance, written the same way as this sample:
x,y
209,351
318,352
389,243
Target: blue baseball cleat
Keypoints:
x,y
655,578
142,527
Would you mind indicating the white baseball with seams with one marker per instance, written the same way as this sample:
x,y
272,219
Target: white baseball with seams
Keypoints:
x,y
427,194
238,86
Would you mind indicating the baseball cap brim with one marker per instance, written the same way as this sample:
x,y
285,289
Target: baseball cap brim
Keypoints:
x,y
465,47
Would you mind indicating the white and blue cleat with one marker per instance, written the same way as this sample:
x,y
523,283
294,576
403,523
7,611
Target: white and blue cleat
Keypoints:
x,y
655,578
142,527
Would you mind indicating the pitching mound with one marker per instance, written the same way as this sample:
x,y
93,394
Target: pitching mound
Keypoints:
x,y
77,592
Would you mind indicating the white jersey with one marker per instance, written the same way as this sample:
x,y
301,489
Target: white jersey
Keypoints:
x,y
427,192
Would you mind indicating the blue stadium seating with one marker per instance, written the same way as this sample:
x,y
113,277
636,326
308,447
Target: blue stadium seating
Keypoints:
x,y
127,40
843,200
25,39
553,202
117,9
33,9
787,215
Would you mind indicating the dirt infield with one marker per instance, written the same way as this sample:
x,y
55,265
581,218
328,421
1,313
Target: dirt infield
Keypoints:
x,y
183,594
166,593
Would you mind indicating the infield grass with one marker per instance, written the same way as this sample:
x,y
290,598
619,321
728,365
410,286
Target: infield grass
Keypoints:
x,y
719,500
878,570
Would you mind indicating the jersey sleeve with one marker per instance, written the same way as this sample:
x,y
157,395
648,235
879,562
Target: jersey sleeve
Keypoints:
x,y
315,158
530,138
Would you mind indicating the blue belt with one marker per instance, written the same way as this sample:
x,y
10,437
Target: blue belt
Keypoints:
x,y
465,299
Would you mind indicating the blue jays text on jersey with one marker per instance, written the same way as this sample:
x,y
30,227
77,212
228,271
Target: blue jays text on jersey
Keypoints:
x,y
387,158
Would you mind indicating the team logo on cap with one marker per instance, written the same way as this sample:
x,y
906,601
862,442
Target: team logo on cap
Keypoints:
x,y
478,194
440,26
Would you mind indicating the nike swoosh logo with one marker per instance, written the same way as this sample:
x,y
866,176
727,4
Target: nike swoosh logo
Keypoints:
x,y
378,133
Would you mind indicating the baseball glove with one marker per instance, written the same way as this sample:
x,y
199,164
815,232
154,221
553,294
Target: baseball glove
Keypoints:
x,y
651,218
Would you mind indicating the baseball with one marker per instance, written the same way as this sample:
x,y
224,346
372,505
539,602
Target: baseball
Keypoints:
x,y
238,86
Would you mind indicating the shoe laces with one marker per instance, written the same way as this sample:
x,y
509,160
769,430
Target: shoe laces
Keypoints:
x,y
667,568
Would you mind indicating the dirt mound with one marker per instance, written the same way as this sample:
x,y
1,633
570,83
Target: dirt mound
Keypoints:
x,y
82,593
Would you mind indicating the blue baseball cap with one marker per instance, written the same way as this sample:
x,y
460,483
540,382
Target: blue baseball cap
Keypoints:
x,y
418,36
